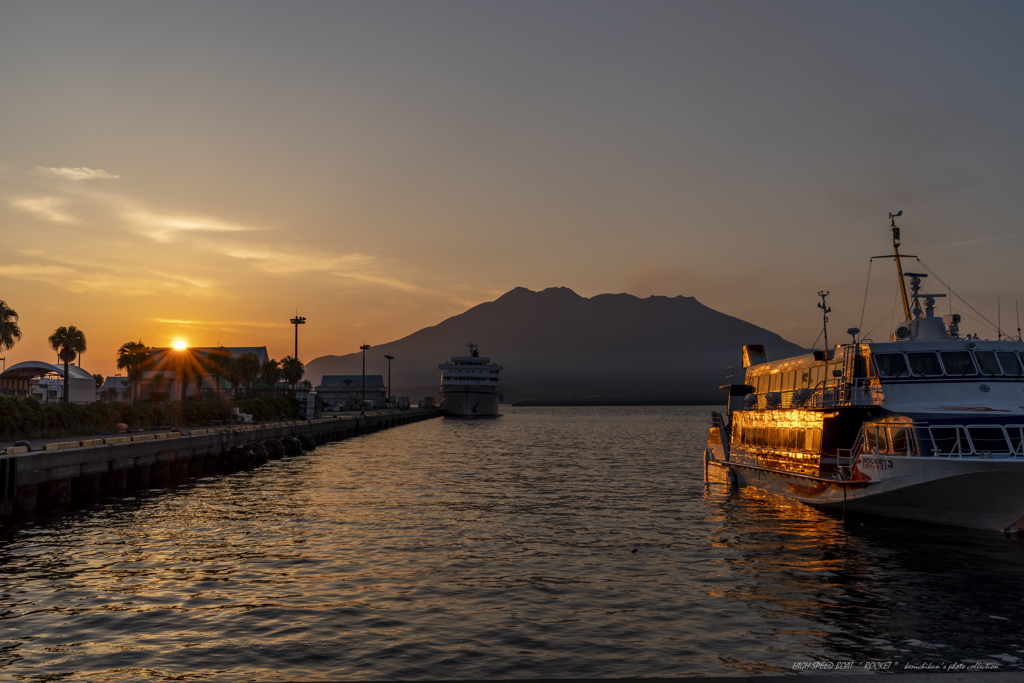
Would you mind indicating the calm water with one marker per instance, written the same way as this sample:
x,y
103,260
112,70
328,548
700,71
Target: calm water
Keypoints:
x,y
551,542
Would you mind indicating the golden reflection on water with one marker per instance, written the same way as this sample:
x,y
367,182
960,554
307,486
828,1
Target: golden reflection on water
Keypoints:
x,y
875,588
547,543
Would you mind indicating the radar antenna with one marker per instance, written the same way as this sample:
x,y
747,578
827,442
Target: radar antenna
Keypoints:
x,y
472,349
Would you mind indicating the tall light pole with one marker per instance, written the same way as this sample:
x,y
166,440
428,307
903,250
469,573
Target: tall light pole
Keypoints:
x,y
362,387
297,320
390,358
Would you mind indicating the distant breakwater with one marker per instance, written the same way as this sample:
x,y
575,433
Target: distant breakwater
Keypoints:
x,y
529,403
81,472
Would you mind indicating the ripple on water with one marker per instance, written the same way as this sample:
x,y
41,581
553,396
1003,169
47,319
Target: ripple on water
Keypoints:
x,y
552,542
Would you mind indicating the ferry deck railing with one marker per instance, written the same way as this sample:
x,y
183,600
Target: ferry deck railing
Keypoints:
x,y
833,393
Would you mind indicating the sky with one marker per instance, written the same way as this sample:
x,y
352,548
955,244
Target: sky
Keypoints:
x,y
202,171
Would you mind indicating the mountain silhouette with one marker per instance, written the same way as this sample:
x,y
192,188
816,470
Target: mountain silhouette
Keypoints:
x,y
557,345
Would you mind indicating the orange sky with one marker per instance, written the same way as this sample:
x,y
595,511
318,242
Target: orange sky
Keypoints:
x,y
200,171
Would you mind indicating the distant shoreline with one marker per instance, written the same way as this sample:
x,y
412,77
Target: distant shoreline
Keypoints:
x,y
610,402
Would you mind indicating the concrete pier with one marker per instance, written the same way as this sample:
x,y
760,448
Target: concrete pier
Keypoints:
x,y
76,472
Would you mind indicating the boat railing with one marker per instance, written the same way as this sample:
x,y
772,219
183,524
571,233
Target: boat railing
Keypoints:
x,y
718,421
832,393
846,458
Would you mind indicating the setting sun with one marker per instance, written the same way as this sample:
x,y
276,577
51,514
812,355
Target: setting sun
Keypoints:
x,y
180,345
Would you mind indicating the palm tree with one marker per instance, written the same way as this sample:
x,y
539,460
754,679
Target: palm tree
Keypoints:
x,y
68,342
270,373
9,330
99,379
133,357
220,363
247,367
159,381
196,372
292,370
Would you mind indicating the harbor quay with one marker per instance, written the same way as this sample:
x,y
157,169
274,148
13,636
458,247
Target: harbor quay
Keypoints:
x,y
78,472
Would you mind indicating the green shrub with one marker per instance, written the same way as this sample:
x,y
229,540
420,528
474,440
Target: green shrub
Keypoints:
x,y
27,418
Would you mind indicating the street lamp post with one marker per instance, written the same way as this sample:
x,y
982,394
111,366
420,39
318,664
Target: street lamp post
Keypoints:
x,y
297,320
390,358
362,387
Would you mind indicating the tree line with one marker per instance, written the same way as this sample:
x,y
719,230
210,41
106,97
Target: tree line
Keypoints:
x,y
191,366
135,358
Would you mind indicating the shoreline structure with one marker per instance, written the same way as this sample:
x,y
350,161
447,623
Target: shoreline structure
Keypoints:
x,y
77,472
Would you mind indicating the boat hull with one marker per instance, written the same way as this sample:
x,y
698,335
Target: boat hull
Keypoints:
x,y
470,401
965,492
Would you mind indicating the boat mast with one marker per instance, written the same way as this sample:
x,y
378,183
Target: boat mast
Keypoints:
x,y
825,310
899,266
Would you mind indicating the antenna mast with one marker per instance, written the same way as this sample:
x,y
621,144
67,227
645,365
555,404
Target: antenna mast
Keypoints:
x,y
825,310
899,266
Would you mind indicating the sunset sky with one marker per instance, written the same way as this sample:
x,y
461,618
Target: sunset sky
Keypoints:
x,y
200,170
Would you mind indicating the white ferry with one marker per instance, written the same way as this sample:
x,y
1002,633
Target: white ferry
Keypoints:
x,y
927,426
470,385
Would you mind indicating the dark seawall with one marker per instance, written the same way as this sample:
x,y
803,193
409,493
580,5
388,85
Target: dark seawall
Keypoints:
x,y
80,472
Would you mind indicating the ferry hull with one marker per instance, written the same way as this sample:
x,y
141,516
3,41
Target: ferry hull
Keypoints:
x,y
470,401
972,493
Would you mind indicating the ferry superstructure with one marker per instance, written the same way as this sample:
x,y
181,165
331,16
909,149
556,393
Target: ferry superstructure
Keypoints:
x,y
927,426
470,385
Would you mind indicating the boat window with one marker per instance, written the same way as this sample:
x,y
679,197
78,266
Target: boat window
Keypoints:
x,y
762,384
958,363
950,440
874,437
773,382
988,439
1014,432
891,365
987,363
816,440
762,436
924,364
773,437
899,441
787,381
1010,363
805,378
783,441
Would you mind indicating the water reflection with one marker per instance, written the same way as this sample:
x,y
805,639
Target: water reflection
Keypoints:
x,y
548,543
868,588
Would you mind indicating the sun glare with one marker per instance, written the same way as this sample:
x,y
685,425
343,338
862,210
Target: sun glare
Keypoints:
x,y
180,345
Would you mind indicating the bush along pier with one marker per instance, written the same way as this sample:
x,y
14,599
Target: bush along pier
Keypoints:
x,y
79,472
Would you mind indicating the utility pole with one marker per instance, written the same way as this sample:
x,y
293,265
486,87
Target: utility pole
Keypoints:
x,y
390,358
362,387
297,320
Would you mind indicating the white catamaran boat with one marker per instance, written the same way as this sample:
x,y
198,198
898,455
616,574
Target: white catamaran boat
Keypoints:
x,y
928,425
469,385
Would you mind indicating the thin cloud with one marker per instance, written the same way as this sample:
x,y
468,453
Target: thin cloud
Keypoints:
x,y
166,228
209,323
47,207
347,266
79,173
34,271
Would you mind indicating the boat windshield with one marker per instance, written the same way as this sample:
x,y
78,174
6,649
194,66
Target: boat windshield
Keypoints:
x,y
925,364
987,363
1010,363
891,365
958,363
